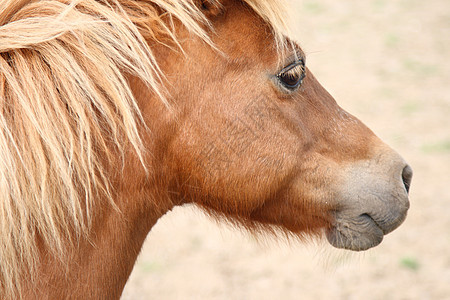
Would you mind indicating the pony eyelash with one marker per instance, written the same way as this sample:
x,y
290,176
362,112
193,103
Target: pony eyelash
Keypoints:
x,y
296,69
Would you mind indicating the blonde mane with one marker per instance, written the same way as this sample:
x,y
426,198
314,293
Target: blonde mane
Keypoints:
x,y
65,101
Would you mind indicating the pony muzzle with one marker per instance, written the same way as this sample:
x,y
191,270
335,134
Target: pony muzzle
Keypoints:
x,y
372,202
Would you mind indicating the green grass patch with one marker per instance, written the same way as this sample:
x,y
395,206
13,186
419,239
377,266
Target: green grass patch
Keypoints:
x,y
410,263
409,108
150,266
313,7
391,40
420,68
379,4
438,147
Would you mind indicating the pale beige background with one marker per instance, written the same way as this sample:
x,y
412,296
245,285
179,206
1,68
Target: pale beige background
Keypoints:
x,y
386,62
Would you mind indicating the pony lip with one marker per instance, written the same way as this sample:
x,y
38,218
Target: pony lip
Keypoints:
x,y
357,238
363,231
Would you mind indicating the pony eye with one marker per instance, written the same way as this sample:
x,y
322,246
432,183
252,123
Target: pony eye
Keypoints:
x,y
292,76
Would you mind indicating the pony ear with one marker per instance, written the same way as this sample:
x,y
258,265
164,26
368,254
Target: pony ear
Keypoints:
x,y
210,8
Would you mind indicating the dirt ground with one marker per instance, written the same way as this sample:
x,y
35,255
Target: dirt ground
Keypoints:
x,y
387,62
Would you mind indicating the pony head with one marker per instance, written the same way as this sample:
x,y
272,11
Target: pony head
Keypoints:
x,y
112,112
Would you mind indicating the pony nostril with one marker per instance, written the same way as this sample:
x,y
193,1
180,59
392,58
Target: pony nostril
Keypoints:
x,y
406,177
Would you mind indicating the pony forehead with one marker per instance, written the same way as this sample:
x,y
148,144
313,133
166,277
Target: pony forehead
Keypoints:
x,y
197,16
192,15
274,12
189,12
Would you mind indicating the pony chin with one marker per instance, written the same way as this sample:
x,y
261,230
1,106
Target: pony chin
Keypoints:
x,y
357,235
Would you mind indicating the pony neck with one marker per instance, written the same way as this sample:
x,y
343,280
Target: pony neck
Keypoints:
x,y
98,267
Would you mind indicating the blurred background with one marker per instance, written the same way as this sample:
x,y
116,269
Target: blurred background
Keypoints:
x,y
387,62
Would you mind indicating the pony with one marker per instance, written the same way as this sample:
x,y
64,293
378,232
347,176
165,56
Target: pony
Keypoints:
x,y
112,112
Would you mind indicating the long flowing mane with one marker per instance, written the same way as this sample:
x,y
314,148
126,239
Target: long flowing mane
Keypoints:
x,y
65,103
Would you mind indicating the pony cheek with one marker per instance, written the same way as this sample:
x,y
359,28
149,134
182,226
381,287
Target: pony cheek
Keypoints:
x,y
227,174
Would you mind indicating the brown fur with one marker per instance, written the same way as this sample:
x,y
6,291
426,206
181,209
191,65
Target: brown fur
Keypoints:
x,y
225,137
